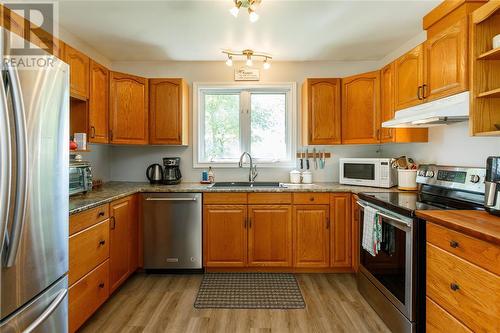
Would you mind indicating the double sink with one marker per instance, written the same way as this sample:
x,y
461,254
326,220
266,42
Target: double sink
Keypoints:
x,y
249,184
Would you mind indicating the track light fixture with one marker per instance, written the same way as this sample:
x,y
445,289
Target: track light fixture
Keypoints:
x,y
248,55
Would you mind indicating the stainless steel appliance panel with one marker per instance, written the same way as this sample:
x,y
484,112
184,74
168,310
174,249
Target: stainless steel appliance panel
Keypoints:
x,y
48,313
172,230
35,245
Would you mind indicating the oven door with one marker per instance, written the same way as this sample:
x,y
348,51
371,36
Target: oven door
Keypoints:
x,y
360,172
391,270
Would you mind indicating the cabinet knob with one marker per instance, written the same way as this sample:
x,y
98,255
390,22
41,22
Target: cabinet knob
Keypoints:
x,y
454,244
311,199
102,242
101,285
454,286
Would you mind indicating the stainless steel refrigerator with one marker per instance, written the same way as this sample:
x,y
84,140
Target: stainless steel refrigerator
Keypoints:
x,y
34,153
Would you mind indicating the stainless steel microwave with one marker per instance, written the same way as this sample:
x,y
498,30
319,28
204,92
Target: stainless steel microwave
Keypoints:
x,y
375,172
80,177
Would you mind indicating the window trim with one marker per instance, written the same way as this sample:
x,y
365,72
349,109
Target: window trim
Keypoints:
x,y
198,90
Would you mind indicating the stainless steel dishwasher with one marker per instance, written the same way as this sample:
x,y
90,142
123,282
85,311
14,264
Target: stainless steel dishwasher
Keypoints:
x,y
172,230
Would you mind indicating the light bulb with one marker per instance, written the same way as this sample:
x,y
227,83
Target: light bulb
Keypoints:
x,y
249,61
234,11
229,61
254,17
267,64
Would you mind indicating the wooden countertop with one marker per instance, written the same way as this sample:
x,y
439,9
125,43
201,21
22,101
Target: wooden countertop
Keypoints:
x,y
474,223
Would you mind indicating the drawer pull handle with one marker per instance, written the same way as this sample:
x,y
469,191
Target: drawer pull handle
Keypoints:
x,y
102,242
454,286
101,214
101,285
454,244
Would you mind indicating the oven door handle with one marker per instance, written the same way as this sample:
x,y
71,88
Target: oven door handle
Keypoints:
x,y
392,218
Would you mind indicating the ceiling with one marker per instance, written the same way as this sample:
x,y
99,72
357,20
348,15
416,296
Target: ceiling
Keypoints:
x,y
290,30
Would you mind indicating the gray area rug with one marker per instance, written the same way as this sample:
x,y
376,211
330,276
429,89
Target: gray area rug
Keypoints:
x,y
249,291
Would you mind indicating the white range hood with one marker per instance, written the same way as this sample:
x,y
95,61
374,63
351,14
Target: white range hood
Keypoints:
x,y
443,111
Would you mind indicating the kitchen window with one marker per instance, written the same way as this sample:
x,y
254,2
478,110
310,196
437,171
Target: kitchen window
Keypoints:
x,y
259,119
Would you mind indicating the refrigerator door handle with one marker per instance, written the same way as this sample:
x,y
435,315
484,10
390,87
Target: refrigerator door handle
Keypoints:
x,y
5,162
48,311
14,238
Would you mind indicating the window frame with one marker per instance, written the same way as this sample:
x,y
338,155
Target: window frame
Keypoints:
x,y
200,89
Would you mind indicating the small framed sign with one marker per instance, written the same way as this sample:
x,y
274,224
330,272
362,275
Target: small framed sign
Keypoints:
x,y
246,74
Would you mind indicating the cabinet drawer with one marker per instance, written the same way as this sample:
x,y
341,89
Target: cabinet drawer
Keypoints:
x,y
87,249
88,218
311,198
466,291
224,198
87,295
471,249
438,320
269,198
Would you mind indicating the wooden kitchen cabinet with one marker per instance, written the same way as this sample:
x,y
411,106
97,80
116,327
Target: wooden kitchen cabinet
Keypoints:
x,y
123,244
168,112
311,236
225,235
79,65
270,235
355,227
321,112
128,114
340,231
361,108
446,54
409,78
387,111
98,103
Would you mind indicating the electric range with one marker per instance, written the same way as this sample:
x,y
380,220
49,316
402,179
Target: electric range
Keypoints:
x,y
393,281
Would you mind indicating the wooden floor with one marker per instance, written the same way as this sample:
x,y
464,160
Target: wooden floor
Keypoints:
x,y
164,303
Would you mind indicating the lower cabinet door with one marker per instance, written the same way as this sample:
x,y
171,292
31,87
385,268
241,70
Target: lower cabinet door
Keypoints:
x,y
270,235
225,235
312,236
341,231
122,215
87,295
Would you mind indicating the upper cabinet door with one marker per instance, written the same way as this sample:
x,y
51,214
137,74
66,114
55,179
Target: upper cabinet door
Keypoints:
x,y
168,111
409,78
128,109
98,103
321,112
79,65
361,108
387,101
446,61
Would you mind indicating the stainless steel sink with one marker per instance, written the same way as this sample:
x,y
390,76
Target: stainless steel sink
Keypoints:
x,y
248,184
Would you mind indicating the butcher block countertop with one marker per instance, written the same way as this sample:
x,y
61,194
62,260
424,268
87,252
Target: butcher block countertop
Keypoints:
x,y
478,224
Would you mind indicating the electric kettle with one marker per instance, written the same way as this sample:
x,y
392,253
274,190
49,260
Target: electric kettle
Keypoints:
x,y
154,173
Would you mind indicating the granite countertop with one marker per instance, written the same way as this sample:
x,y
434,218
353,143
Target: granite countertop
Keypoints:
x,y
475,223
116,190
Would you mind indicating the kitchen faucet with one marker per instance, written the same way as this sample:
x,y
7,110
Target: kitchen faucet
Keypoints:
x,y
252,172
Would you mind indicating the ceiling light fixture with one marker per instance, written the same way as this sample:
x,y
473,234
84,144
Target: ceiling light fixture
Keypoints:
x,y
250,5
249,55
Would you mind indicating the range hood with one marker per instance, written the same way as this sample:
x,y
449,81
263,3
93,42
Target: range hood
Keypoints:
x,y
448,110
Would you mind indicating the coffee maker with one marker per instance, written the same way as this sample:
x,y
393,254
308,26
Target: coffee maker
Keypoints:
x,y
492,185
172,173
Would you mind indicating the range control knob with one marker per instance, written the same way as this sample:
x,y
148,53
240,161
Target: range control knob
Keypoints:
x,y
429,174
421,173
474,178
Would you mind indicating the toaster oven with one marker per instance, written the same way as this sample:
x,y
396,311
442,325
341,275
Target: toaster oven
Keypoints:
x,y
80,177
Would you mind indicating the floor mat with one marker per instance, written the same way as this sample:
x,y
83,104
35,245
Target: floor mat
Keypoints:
x,y
249,291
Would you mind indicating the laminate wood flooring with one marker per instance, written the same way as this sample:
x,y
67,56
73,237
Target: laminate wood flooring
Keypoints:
x,y
164,303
